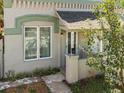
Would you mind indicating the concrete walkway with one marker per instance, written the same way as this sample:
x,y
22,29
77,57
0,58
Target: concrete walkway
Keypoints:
x,y
56,84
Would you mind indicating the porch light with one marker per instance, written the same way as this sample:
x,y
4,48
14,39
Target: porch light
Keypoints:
x,y
61,34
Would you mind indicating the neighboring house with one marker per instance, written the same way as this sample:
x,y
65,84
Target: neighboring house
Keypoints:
x,y
39,33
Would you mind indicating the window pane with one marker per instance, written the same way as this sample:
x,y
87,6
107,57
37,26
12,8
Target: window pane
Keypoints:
x,y
74,48
44,42
71,42
95,45
30,42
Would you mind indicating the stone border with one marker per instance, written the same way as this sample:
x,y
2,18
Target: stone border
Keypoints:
x,y
5,85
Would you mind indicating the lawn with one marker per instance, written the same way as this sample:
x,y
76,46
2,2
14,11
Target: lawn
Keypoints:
x,y
91,85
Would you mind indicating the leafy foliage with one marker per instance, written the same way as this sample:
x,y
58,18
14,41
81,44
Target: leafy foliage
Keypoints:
x,y
111,60
12,76
90,85
122,3
1,4
32,91
2,91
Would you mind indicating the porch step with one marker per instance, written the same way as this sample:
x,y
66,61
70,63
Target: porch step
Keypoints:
x,y
56,84
54,78
59,87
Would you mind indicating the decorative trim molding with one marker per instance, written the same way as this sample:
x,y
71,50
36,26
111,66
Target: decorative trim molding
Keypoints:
x,y
27,18
48,5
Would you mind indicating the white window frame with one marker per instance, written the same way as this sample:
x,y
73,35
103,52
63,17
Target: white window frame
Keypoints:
x,y
38,43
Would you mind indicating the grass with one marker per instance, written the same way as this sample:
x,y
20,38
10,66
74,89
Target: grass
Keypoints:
x,y
91,85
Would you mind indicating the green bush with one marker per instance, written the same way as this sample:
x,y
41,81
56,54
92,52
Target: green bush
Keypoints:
x,y
89,85
32,91
2,91
10,75
23,75
38,72
43,72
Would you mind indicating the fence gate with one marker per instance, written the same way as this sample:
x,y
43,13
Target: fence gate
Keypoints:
x,y
1,57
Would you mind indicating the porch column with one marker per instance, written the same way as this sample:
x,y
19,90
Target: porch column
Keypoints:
x,y
72,68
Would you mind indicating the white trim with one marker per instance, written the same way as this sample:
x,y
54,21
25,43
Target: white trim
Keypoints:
x,y
24,44
66,42
76,42
101,46
38,43
48,5
51,31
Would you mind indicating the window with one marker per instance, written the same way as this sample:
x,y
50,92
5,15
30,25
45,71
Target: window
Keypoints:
x,y
37,42
72,41
97,45
44,42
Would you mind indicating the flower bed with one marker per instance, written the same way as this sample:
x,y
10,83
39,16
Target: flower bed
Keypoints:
x,y
26,85
26,82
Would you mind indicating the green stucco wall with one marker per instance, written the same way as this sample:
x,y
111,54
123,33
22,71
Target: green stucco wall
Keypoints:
x,y
7,3
27,18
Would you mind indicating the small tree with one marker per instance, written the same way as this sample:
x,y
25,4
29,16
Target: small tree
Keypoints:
x,y
111,60
122,3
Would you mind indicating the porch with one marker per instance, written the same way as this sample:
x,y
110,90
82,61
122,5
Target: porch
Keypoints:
x,y
74,56
74,44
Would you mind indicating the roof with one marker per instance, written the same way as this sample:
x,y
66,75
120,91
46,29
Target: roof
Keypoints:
x,y
75,16
68,1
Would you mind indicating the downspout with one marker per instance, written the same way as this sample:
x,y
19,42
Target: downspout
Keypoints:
x,y
1,29
3,57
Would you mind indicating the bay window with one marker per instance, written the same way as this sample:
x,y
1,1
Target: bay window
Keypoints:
x,y
37,42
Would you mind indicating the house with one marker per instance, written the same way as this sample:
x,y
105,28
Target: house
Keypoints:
x,y
44,33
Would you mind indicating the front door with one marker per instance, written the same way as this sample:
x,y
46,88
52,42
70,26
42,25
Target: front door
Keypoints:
x,y
71,43
62,48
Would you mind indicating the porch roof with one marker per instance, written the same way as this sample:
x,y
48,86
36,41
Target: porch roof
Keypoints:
x,y
79,20
76,16
82,19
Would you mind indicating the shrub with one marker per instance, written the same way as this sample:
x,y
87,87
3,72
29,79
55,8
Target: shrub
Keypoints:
x,y
44,72
38,72
10,75
23,75
32,91
2,91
